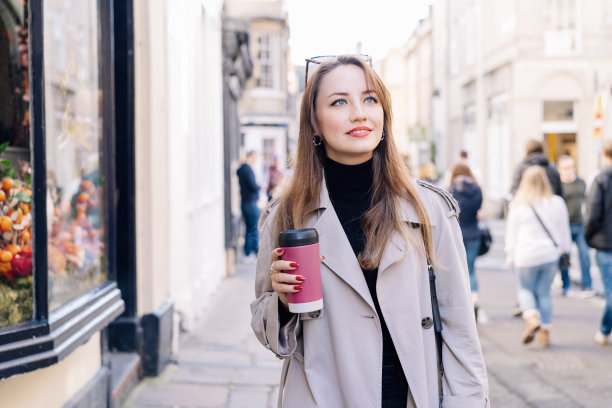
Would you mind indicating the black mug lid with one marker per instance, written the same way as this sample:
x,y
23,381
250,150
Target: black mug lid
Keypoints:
x,y
299,237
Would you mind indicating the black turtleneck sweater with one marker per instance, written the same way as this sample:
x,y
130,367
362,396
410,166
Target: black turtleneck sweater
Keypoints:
x,y
350,191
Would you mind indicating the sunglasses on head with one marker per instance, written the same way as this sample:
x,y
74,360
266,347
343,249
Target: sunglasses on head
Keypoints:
x,y
322,59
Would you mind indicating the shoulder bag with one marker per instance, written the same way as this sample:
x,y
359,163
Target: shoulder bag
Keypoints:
x,y
564,258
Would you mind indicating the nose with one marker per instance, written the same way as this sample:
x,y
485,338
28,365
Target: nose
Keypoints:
x,y
358,113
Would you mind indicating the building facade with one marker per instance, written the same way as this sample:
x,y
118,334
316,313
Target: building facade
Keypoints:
x,y
408,74
520,70
265,109
112,149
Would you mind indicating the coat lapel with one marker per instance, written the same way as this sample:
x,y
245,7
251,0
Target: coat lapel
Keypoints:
x,y
336,248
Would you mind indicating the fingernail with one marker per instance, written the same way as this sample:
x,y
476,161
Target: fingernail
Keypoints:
x,y
293,264
322,256
299,278
297,287
279,250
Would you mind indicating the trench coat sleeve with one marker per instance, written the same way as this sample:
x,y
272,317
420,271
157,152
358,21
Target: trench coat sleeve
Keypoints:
x,y
265,318
465,375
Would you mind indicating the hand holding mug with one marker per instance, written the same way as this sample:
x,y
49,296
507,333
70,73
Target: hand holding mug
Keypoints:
x,y
283,283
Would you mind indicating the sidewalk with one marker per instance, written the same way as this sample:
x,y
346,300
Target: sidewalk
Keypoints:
x,y
220,363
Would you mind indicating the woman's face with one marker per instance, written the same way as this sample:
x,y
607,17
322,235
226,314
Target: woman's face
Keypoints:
x,y
349,115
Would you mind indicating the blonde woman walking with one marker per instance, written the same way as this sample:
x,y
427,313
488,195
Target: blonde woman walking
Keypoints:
x,y
531,252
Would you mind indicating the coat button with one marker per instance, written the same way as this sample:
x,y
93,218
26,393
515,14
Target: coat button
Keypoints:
x,y
315,314
427,323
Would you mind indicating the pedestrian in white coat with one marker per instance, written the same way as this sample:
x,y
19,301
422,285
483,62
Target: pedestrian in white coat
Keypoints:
x,y
537,232
372,345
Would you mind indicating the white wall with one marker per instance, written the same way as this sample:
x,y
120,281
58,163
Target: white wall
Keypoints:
x,y
195,154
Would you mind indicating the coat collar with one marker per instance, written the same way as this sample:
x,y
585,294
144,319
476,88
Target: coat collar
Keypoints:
x,y
339,256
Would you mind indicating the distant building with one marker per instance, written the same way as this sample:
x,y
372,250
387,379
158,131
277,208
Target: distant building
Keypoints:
x,y
510,71
265,109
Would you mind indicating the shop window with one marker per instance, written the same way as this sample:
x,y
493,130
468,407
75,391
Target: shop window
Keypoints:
x,y
558,111
74,143
57,210
16,296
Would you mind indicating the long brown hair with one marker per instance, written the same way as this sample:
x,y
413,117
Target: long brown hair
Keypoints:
x,y
460,169
391,181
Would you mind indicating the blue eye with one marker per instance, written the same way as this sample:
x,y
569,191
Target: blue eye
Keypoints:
x,y
338,102
371,99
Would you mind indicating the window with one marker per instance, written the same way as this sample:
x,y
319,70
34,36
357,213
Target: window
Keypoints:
x,y
56,204
264,65
16,296
75,150
561,36
558,111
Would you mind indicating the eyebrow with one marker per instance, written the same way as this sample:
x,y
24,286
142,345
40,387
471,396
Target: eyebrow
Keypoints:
x,y
366,92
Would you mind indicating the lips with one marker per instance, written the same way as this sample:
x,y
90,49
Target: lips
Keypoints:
x,y
361,131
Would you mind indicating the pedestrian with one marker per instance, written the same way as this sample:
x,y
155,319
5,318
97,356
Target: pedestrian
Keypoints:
x,y
469,196
535,157
372,344
275,179
463,159
574,192
536,218
598,234
427,172
249,195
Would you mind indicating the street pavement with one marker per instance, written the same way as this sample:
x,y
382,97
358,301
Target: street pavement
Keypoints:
x,y
220,363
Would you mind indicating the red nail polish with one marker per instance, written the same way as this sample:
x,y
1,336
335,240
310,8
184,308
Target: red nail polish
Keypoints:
x,y
323,256
293,264
299,278
297,287
279,250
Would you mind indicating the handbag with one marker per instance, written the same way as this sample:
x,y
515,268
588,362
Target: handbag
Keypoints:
x,y
437,322
564,258
485,239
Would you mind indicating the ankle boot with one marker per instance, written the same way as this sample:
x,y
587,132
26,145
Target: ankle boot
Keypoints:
x,y
532,325
544,338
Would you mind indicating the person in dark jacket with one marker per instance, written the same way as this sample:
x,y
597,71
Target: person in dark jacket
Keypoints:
x,y
249,195
535,156
598,234
469,196
574,193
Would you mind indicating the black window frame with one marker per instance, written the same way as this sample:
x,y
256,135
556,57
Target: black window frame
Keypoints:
x,y
51,336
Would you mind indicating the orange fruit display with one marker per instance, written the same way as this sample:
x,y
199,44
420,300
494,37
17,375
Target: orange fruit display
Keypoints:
x,y
13,249
2,195
6,223
7,183
6,256
83,197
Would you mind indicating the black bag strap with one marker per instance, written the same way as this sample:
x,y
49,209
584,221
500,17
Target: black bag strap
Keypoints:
x,y
437,322
544,226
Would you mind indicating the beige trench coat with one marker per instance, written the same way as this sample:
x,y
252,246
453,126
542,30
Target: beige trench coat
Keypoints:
x,y
333,359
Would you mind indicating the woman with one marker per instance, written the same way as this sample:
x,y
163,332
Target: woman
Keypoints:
x,y
372,344
531,252
469,195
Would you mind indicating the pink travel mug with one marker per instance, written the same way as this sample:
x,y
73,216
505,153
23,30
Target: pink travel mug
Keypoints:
x,y
302,246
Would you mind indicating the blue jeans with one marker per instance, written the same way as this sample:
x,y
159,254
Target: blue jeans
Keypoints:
x,y
604,261
534,288
472,247
583,254
250,213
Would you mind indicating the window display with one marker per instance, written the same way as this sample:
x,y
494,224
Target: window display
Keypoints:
x,y
16,299
75,150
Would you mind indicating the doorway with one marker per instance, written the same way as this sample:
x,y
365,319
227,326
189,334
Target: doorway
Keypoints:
x,y
558,144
